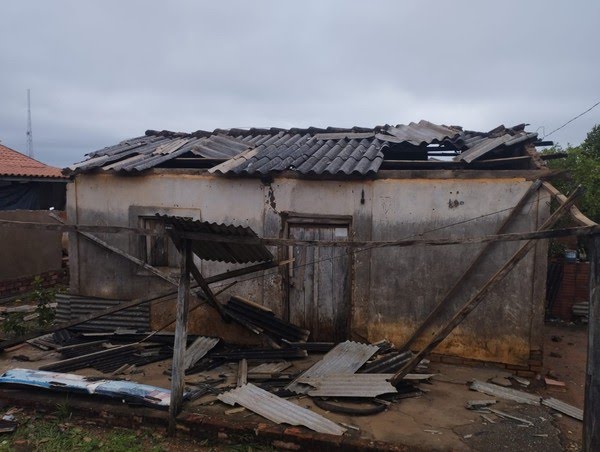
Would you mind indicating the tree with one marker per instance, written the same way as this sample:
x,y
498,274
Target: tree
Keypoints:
x,y
583,166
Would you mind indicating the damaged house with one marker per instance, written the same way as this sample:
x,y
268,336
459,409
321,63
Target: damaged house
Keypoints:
x,y
357,184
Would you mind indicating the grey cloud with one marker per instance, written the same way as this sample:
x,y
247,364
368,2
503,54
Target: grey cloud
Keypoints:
x,y
102,71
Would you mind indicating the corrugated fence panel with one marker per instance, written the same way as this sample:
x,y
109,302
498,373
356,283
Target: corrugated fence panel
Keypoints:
x,y
73,307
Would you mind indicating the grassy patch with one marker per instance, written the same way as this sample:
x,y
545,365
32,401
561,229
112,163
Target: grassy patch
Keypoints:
x,y
60,436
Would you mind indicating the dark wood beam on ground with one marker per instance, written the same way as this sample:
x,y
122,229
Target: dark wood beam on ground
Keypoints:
x,y
478,259
464,311
591,411
178,366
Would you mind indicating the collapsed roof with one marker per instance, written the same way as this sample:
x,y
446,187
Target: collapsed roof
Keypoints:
x,y
354,151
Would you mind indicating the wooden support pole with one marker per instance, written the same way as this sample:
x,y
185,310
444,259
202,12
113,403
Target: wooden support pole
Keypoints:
x,y
464,311
205,287
177,368
591,410
456,287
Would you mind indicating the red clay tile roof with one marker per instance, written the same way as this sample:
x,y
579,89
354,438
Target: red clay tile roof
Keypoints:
x,y
15,164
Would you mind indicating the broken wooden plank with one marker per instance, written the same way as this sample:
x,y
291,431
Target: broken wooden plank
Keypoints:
x,y
242,376
177,367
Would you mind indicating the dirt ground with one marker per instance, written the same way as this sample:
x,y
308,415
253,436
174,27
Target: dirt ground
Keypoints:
x,y
436,420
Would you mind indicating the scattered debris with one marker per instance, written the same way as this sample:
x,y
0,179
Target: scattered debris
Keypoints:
x,y
501,381
564,408
353,427
510,416
242,376
278,410
198,349
552,382
348,385
522,381
345,358
433,432
263,320
235,410
478,404
505,393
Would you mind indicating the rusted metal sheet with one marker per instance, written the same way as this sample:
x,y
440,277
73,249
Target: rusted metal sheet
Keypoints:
x,y
241,253
349,385
345,358
505,393
278,410
564,408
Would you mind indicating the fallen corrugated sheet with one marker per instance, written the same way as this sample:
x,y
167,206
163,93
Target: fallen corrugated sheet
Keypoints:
x,y
505,393
345,358
198,349
270,368
211,250
349,385
388,363
260,354
72,307
564,408
129,391
278,410
264,320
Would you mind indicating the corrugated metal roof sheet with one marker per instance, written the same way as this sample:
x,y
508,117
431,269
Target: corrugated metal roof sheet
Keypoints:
x,y
312,151
73,307
505,393
198,349
344,358
279,410
349,385
240,253
15,164
564,408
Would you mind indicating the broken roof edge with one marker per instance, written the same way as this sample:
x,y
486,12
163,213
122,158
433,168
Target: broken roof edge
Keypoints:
x,y
312,151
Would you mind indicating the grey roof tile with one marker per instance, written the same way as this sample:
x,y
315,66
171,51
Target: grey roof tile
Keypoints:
x,y
311,151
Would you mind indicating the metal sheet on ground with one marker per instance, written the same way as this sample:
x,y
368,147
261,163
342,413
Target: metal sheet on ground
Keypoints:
x,y
279,410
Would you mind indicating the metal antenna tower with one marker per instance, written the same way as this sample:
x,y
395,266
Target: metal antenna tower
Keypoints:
x,y
29,132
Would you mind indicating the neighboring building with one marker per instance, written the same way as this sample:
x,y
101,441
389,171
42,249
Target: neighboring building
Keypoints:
x,y
28,184
363,184
27,189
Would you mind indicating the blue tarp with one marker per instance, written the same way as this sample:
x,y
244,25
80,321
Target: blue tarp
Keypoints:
x,y
126,390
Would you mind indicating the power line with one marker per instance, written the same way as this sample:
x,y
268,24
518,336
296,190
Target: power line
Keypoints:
x,y
573,119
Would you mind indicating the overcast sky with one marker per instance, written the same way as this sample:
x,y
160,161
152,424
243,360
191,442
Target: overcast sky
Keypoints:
x,y
103,71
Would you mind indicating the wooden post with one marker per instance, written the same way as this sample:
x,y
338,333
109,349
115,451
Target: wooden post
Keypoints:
x,y
591,411
177,367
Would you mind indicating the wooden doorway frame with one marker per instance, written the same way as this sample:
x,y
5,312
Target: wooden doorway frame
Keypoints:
x,y
295,219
